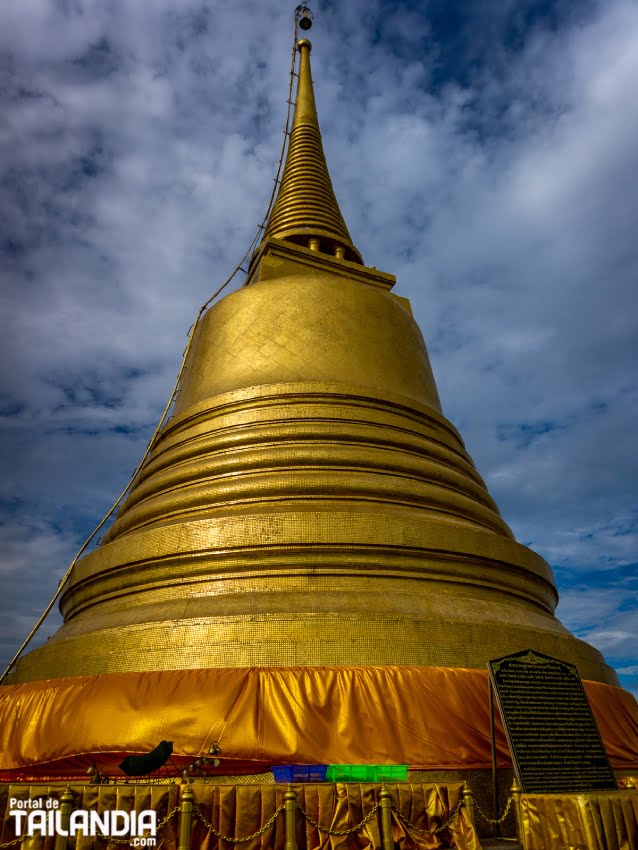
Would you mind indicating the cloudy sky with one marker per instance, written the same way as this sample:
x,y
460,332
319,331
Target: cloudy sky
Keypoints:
x,y
486,153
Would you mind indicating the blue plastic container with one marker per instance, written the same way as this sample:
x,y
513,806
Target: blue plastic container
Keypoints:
x,y
300,772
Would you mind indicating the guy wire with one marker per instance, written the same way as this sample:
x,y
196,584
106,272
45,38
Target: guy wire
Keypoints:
x,y
191,334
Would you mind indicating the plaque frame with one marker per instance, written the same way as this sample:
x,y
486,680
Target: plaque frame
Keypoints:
x,y
527,763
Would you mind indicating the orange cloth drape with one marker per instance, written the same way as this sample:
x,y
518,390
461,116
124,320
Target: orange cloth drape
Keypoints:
x,y
427,717
597,821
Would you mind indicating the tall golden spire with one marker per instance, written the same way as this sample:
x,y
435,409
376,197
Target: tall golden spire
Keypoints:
x,y
306,210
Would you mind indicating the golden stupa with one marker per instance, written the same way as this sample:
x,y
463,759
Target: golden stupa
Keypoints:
x,y
308,567
308,502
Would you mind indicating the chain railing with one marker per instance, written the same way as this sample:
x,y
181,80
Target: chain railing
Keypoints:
x,y
495,821
435,831
198,812
128,841
12,843
291,800
349,831
61,838
189,809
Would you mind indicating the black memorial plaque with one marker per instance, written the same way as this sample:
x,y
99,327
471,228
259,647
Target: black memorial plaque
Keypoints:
x,y
553,737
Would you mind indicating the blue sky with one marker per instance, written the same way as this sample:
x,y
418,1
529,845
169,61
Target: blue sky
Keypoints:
x,y
485,153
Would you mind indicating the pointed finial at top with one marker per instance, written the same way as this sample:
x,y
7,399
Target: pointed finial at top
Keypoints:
x,y
306,210
305,106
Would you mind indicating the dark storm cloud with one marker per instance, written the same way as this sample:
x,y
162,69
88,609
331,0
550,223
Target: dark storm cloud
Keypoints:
x,y
483,152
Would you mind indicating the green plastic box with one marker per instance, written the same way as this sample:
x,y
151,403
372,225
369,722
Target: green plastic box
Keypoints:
x,y
367,773
392,773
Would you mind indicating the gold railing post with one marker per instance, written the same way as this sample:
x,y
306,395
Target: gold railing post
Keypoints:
x,y
515,791
185,818
290,802
385,804
66,807
468,802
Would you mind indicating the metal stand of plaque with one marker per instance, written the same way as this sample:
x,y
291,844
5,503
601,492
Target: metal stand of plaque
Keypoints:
x,y
552,734
497,830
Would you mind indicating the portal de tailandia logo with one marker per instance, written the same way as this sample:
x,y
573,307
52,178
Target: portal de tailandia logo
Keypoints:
x,y
42,816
